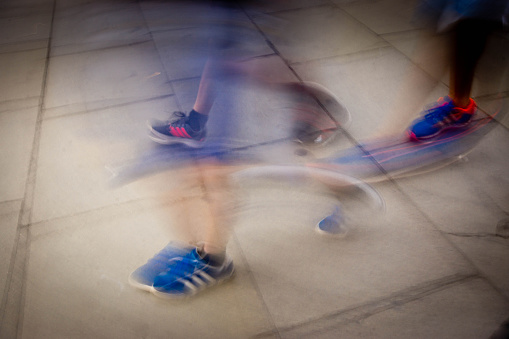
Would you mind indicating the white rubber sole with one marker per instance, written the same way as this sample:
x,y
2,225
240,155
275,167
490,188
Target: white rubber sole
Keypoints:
x,y
170,296
138,285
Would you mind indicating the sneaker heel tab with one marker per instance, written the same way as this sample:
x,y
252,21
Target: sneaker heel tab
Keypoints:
x,y
411,136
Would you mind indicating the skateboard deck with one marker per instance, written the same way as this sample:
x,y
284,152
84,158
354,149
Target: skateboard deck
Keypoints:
x,y
399,156
160,158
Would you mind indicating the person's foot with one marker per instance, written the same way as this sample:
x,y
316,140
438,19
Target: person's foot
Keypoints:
x,y
442,116
179,131
333,225
143,277
189,274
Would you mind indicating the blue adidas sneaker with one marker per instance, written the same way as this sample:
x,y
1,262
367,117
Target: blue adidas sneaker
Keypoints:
x,y
143,277
440,117
333,225
190,274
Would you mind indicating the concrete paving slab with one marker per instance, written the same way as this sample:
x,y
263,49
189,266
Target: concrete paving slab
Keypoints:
x,y
487,168
489,254
382,17
502,106
425,50
184,52
320,32
99,79
282,5
468,196
17,130
75,150
176,15
26,5
271,68
97,25
77,284
492,73
29,11
15,105
303,276
35,26
186,34
22,74
406,41
12,301
370,84
9,212
24,46
470,309
496,105
166,15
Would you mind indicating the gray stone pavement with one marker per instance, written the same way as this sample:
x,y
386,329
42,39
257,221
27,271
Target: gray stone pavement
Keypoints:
x,y
79,79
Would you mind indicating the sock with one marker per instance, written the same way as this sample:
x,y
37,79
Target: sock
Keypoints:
x,y
197,120
215,259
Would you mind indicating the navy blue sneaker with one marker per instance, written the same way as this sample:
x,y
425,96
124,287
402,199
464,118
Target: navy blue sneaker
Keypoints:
x,y
333,225
177,131
190,274
143,277
440,117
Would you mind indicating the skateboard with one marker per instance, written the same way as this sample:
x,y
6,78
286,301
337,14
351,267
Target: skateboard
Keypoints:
x,y
398,156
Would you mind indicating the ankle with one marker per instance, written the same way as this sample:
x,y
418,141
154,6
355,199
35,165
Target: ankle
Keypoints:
x,y
213,259
462,102
197,120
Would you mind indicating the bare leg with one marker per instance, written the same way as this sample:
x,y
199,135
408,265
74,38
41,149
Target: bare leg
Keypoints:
x,y
218,195
205,219
469,42
206,92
